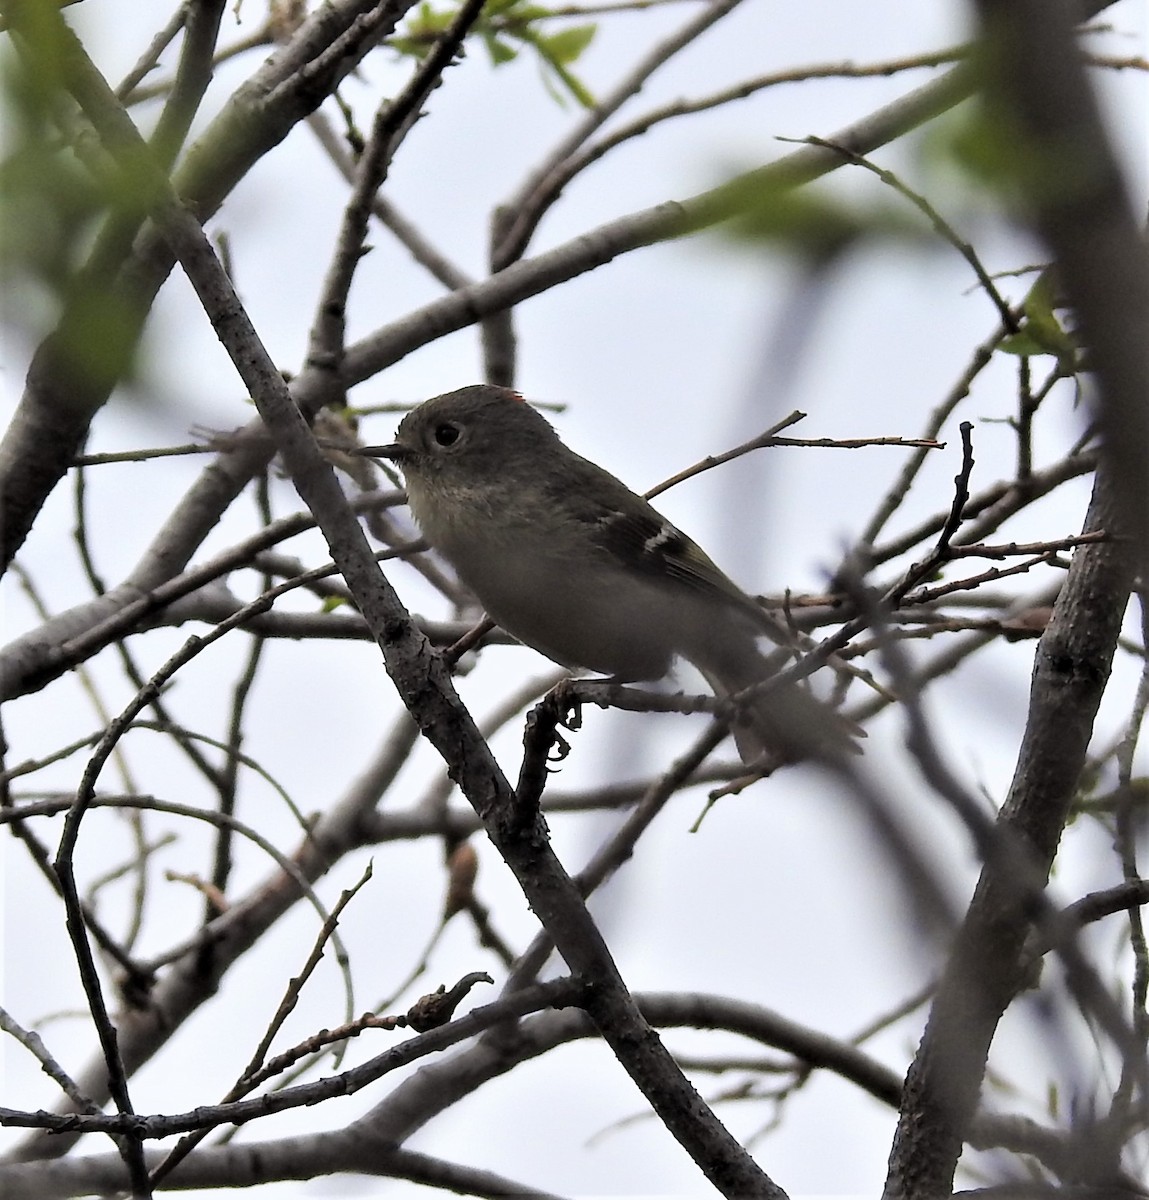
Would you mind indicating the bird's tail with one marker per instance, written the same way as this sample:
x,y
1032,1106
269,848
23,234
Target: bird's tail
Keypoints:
x,y
775,720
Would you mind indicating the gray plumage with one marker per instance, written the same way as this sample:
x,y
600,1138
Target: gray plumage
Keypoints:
x,y
573,563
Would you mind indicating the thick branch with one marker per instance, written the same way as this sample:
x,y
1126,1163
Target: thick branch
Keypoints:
x,y
26,664
1078,203
63,395
984,971
422,678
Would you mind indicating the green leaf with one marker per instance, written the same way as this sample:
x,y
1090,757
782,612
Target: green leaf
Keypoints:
x,y
413,47
566,45
803,221
1041,331
555,65
435,21
524,14
500,51
421,29
1023,344
982,145
572,84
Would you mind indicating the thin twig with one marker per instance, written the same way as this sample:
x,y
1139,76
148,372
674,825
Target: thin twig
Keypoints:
x,y
34,1044
326,342
250,1076
569,160
944,229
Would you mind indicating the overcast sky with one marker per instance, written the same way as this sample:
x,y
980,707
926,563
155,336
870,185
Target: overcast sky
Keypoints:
x,y
665,355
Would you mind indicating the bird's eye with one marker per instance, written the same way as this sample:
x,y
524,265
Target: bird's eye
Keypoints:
x,y
446,434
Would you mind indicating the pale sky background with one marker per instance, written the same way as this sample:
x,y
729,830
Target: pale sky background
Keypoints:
x,y
666,354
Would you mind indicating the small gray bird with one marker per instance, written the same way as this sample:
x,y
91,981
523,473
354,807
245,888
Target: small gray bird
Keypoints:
x,y
570,561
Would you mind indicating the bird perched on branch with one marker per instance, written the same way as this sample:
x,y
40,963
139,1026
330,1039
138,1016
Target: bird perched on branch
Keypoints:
x,y
569,560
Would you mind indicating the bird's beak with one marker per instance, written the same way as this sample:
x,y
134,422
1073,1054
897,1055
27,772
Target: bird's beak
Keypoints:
x,y
394,451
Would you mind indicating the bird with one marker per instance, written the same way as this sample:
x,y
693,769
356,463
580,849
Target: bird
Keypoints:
x,y
571,562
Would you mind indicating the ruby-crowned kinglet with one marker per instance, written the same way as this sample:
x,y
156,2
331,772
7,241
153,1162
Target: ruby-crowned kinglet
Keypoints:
x,y
570,561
